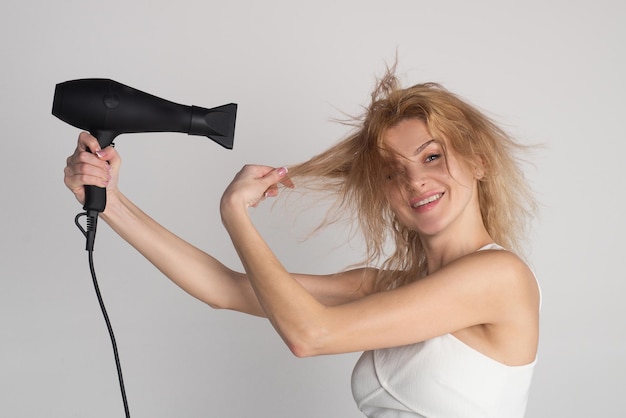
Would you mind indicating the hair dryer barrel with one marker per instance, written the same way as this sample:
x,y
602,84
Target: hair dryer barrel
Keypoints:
x,y
110,108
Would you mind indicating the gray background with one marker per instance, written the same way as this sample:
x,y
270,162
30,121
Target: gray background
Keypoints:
x,y
550,72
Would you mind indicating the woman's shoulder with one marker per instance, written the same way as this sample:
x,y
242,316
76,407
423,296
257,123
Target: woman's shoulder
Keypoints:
x,y
494,260
503,271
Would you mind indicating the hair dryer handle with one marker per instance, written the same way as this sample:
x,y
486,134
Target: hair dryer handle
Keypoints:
x,y
96,197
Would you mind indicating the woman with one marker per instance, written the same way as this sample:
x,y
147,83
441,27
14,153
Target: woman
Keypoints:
x,y
448,321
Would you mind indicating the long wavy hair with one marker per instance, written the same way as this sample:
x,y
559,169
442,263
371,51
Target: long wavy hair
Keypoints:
x,y
352,171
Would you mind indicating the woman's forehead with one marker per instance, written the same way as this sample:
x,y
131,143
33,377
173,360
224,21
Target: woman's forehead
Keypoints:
x,y
411,146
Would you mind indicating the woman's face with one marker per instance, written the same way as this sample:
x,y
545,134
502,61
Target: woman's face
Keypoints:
x,y
430,191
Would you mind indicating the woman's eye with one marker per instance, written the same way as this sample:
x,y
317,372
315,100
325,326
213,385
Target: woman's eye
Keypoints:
x,y
433,157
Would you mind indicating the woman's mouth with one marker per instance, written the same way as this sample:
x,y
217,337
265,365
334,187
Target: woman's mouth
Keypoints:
x,y
426,201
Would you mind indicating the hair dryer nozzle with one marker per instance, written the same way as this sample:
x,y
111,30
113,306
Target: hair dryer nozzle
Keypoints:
x,y
217,124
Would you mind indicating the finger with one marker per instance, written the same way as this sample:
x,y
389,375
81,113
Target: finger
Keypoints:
x,y
274,176
109,155
85,158
287,182
76,182
281,174
87,142
272,191
91,166
79,173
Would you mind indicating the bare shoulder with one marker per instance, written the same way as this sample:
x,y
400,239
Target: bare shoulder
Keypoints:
x,y
509,295
507,269
504,276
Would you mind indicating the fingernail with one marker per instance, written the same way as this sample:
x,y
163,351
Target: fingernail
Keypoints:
x,y
99,154
282,171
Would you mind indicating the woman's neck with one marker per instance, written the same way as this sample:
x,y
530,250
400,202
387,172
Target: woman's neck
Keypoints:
x,y
442,249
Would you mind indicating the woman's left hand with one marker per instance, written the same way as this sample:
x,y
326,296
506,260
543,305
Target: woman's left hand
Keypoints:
x,y
251,186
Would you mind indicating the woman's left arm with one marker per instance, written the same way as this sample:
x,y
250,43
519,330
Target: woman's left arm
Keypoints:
x,y
460,295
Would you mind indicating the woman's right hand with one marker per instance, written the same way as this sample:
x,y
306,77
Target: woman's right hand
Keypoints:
x,y
100,168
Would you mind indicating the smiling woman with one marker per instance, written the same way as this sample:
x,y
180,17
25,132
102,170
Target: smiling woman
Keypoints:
x,y
448,322
361,166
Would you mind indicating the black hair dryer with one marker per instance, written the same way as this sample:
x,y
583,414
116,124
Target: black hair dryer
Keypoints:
x,y
107,109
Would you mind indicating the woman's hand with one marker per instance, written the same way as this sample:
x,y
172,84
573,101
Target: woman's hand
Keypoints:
x,y
99,168
251,186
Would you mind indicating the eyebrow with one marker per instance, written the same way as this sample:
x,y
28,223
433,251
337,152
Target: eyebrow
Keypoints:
x,y
423,146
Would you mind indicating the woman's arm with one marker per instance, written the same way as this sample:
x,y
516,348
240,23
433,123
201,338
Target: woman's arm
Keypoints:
x,y
207,279
195,271
490,288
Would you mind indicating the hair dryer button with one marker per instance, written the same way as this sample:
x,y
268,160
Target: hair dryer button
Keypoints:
x,y
111,101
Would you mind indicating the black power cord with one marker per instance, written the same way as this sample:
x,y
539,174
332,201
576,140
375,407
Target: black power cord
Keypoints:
x,y
89,233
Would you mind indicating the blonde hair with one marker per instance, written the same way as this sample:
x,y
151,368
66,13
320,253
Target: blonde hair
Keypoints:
x,y
352,171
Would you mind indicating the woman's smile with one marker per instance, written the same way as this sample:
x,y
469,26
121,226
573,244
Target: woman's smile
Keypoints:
x,y
426,204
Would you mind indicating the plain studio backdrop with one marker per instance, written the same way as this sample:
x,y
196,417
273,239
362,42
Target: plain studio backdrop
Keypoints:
x,y
550,72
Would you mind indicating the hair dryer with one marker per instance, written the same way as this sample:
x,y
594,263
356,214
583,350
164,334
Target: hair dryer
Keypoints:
x,y
107,109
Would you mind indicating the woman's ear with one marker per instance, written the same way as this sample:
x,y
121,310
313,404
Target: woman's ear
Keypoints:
x,y
479,167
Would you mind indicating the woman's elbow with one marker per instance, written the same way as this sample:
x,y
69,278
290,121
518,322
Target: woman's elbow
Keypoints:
x,y
300,350
308,343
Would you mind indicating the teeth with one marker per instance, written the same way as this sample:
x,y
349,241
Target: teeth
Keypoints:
x,y
427,200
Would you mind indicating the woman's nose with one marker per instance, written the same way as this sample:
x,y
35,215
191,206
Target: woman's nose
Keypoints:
x,y
415,177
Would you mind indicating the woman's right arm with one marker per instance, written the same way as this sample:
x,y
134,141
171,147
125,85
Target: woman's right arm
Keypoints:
x,y
196,272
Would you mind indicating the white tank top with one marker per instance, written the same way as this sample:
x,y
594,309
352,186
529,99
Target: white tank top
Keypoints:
x,y
439,378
